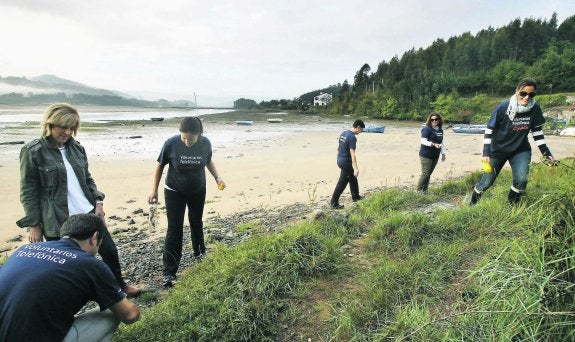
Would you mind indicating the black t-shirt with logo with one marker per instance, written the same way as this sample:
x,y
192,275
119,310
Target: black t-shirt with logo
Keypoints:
x,y
42,286
510,136
435,136
186,172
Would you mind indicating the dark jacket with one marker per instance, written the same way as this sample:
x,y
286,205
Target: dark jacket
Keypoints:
x,y
43,183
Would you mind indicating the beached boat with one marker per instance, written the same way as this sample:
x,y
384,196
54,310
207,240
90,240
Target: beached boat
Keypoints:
x,y
568,132
469,129
157,119
374,129
244,122
275,120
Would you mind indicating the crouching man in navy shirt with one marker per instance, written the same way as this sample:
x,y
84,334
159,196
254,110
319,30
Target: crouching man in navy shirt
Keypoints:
x,y
43,285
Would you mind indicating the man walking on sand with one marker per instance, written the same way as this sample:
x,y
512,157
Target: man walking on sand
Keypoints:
x,y
43,285
347,162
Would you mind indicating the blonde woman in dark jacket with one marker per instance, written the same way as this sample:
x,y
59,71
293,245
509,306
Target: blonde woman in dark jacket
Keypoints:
x,y
55,183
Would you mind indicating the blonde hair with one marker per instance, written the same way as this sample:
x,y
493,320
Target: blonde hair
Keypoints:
x,y
60,114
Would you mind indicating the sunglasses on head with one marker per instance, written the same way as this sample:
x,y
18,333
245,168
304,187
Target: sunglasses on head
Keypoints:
x,y
524,93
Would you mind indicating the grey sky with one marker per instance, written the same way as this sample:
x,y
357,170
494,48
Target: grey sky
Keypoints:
x,y
246,48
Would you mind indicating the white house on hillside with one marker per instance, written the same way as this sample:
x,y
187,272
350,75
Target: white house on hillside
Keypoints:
x,y
322,99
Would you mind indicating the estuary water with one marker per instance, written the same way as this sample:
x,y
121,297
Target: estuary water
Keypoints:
x,y
15,114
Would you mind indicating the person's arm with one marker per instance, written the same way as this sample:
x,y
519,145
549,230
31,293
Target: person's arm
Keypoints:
x,y
158,170
443,151
425,137
29,196
488,134
126,311
354,162
211,166
539,139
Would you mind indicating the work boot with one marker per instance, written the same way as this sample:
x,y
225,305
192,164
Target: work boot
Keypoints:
x,y
475,196
513,197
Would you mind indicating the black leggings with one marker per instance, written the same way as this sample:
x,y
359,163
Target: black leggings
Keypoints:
x,y
176,203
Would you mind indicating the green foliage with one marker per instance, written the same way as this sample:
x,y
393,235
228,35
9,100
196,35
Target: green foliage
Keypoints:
x,y
522,286
238,293
456,77
245,104
556,69
484,272
458,109
548,101
506,74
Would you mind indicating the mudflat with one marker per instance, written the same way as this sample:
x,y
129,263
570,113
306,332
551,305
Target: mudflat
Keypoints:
x,y
266,165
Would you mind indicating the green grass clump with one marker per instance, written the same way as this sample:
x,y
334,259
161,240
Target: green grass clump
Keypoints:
x,y
395,267
238,293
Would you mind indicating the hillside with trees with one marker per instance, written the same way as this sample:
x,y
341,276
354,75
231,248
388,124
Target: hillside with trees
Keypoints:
x,y
462,77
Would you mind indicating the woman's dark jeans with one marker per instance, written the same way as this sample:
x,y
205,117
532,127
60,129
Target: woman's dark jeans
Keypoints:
x,y
427,167
176,204
345,176
519,163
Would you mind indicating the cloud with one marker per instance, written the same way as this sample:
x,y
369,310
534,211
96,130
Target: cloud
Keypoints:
x,y
252,48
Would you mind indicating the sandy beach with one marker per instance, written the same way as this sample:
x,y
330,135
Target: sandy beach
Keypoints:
x,y
265,165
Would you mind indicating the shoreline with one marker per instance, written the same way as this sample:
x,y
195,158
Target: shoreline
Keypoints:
x,y
264,166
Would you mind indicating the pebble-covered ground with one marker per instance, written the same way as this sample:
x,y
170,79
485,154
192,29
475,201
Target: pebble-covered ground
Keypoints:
x,y
141,249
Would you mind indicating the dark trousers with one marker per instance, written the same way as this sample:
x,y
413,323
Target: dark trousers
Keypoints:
x,y
427,167
346,176
109,253
176,204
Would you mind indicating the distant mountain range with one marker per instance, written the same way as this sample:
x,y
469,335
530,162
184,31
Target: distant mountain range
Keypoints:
x,y
50,88
46,84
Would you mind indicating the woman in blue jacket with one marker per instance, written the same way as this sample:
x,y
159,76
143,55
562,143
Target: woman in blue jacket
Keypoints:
x,y
431,147
506,140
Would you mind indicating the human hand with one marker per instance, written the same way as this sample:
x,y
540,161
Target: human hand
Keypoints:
x,y
551,161
153,197
35,234
356,172
99,210
221,183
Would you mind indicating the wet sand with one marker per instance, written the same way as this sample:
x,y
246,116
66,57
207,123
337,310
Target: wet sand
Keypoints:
x,y
266,165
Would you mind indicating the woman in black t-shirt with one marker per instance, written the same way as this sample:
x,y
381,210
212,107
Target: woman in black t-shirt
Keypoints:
x,y
506,140
187,154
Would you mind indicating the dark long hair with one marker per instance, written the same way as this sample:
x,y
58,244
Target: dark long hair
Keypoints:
x,y
192,125
528,81
428,121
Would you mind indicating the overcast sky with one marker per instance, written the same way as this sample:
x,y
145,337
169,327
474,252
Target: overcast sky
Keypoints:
x,y
256,49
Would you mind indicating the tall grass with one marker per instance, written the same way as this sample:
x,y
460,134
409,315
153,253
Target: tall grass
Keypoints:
x,y
486,272
238,293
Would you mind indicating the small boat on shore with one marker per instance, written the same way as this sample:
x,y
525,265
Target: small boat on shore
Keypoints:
x,y
469,129
244,122
157,119
275,120
568,132
374,129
